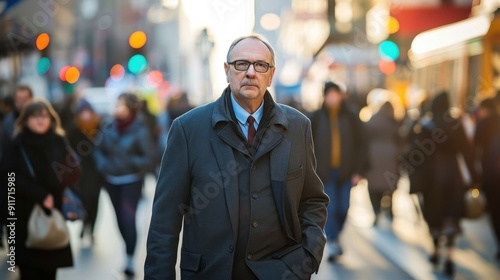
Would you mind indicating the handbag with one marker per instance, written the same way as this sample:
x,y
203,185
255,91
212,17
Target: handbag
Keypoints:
x,y
46,231
72,207
475,203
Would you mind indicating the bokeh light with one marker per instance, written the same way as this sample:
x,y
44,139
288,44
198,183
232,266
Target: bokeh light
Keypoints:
x,y
270,21
387,67
392,25
117,72
365,114
62,73
475,193
137,39
388,50
155,78
137,64
72,75
43,65
42,41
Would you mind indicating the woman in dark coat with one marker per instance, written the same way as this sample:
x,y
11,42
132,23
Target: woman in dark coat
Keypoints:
x,y
123,156
384,147
487,151
443,141
39,133
81,138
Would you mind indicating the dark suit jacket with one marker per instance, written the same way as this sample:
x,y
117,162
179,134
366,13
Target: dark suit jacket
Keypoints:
x,y
353,153
198,182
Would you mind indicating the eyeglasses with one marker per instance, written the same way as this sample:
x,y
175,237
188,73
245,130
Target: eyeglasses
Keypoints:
x,y
243,65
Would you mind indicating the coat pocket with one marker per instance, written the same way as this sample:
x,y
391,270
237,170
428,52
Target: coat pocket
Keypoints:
x,y
294,174
190,261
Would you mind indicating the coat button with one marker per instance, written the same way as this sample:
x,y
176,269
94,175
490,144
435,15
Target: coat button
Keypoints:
x,y
254,167
255,196
255,224
250,257
231,248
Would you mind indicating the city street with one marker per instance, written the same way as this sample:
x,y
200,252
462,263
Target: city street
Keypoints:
x,y
387,251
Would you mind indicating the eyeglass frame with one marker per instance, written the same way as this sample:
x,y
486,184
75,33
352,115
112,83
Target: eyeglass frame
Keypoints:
x,y
269,66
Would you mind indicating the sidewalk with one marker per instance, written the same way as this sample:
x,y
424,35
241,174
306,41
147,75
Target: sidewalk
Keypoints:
x,y
407,243
397,250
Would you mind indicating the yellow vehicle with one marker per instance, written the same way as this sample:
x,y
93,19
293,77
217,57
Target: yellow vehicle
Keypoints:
x,y
463,58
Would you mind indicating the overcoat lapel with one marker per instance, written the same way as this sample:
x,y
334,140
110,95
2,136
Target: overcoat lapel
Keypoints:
x,y
279,158
223,150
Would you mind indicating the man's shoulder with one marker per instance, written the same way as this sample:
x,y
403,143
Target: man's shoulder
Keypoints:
x,y
292,113
197,115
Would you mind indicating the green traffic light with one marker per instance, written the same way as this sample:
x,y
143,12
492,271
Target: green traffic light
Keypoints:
x,y
43,65
388,50
137,64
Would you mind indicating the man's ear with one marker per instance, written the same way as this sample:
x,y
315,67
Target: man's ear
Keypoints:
x,y
271,77
226,70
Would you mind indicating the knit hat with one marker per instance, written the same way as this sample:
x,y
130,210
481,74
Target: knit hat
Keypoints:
x,y
83,104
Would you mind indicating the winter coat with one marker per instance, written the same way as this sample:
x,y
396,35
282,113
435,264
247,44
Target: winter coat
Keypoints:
x,y
487,138
444,142
91,181
384,148
124,154
352,138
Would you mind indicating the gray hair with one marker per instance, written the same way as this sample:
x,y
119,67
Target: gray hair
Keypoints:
x,y
257,37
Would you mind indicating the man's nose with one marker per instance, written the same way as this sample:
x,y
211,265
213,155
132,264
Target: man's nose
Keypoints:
x,y
250,71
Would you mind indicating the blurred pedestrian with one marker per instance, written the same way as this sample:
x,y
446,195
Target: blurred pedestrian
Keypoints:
x,y
164,122
339,144
443,142
82,137
487,151
6,106
239,174
39,134
152,126
384,148
123,156
65,108
22,96
178,105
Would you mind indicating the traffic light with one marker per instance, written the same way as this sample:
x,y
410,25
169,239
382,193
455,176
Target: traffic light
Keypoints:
x,y
137,62
388,50
42,43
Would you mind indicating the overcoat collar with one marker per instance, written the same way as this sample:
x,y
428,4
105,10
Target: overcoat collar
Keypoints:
x,y
222,110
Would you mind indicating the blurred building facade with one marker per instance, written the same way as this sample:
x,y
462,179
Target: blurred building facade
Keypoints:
x,y
363,43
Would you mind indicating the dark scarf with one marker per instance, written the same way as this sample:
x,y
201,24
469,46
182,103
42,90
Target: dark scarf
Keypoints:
x,y
39,141
43,150
121,125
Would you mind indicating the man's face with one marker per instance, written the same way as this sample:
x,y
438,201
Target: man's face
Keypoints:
x,y
333,98
21,99
249,84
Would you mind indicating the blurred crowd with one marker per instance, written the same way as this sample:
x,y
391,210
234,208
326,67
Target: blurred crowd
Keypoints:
x,y
449,157
112,152
444,155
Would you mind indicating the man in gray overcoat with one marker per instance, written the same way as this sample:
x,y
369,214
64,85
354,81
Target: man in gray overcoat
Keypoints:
x,y
239,177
